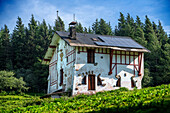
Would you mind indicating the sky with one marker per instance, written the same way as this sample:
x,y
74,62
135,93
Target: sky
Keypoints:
x,y
86,11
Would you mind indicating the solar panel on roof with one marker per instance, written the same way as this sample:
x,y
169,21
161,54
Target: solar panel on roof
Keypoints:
x,y
118,42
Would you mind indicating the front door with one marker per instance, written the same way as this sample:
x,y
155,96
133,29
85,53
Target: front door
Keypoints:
x,y
91,82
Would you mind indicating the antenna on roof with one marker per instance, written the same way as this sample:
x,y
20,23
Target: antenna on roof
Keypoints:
x,y
74,17
57,15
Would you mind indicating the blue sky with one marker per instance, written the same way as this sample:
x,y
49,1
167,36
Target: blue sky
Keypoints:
x,y
86,11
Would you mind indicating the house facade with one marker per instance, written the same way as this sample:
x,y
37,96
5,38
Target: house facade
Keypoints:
x,y
89,63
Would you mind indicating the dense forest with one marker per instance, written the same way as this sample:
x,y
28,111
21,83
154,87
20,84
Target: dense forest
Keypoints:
x,y
22,50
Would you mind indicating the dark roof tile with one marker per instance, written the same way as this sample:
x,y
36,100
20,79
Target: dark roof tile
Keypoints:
x,y
103,40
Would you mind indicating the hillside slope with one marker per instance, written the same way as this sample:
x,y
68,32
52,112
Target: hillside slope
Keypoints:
x,y
151,99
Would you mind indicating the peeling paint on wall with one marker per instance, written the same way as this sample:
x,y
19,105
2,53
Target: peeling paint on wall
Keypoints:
x,y
73,60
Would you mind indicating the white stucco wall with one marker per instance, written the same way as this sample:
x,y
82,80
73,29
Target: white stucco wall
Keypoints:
x,y
75,67
82,68
58,62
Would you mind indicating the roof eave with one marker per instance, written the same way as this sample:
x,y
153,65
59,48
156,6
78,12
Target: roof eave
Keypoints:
x,y
51,49
115,48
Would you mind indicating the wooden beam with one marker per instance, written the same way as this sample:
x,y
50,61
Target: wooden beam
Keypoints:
x,y
111,56
46,59
140,64
52,46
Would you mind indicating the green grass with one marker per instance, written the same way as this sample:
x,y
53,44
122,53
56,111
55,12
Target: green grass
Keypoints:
x,y
152,99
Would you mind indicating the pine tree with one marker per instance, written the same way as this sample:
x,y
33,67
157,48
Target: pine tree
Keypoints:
x,y
102,27
79,28
150,34
129,26
152,59
5,53
85,30
43,40
59,25
32,41
162,36
18,45
155,28
90,30
121,29
138,21
109,29
139,35
95,27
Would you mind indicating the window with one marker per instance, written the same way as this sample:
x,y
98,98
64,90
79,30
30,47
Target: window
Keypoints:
x,y
61,77
90,55
57,48
67,59
132,83
118,83
84,80
99,81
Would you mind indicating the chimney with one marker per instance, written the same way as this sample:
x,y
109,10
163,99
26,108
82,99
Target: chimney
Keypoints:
x,y
73,30
57,16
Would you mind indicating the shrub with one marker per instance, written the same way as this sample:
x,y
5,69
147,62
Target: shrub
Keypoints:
x,y
10,83
3,93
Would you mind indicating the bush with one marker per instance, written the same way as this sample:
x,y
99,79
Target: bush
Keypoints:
x,y
147,80
10,83
3,93
151,99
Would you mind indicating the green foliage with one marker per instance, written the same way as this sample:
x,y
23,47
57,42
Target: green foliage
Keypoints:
x,y
120,31
79,28
147,80
95,27
19,45
154,38
8,82
21,51
59,25
155,99
5,49
102,27
139,35
28,46
85,30
90,30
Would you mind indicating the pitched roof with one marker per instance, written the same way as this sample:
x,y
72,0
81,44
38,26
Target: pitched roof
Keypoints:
x,y
105,41
93,40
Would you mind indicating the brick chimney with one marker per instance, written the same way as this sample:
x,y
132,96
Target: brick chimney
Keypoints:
x,y
73,30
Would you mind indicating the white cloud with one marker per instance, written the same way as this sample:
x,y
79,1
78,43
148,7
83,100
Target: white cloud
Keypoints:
x,y
167,29
40,10
86,14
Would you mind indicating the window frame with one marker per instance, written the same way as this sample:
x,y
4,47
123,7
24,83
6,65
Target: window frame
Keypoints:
x,y
99,81
61,76
91,56
84,80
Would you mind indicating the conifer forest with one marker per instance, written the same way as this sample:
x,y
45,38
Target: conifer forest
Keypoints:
x,y
22,50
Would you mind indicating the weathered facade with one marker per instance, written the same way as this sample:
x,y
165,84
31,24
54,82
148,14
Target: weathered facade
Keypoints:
x,y
88,63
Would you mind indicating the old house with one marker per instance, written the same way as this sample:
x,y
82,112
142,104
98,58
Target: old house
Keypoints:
x,y
89,63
